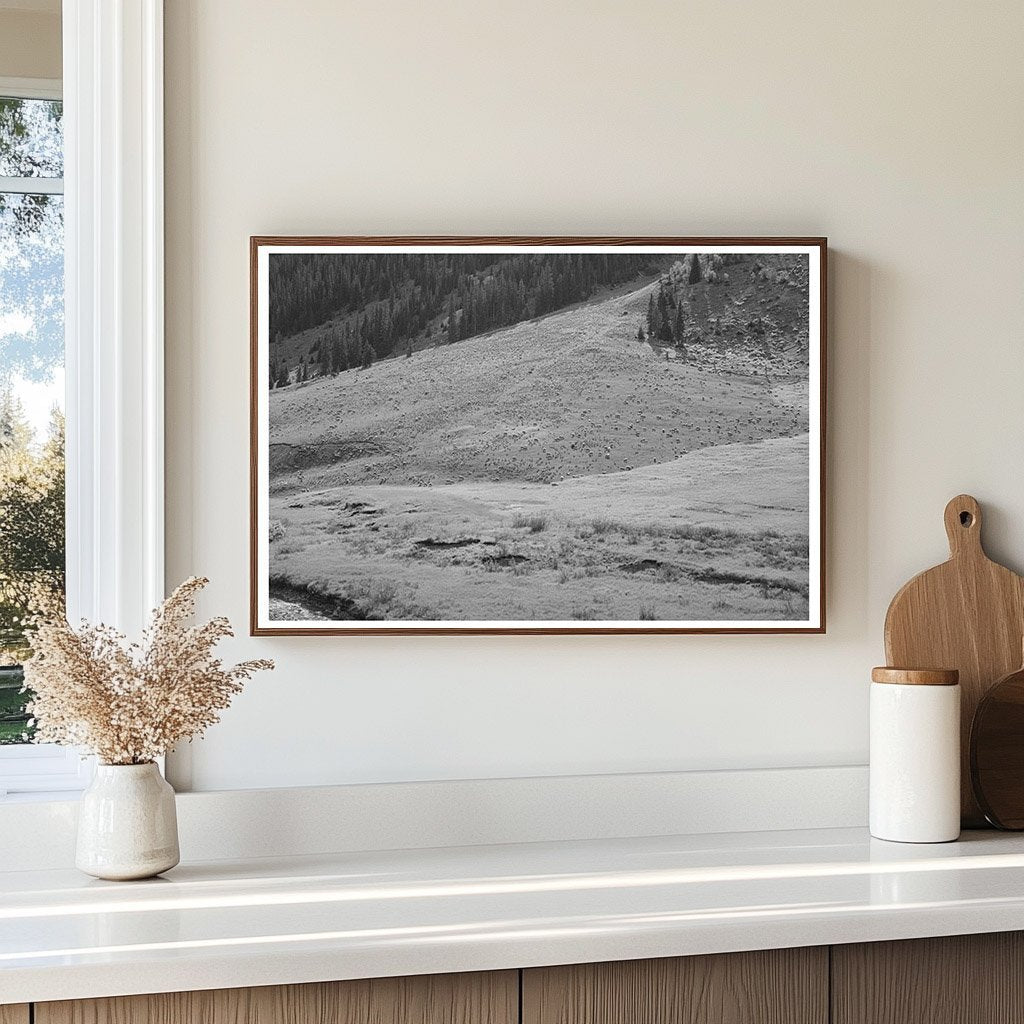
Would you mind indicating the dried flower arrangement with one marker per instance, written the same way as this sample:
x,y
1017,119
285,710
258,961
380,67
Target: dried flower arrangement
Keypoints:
x,y
130,703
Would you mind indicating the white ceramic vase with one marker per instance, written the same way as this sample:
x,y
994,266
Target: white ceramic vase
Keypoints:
x,y
127,824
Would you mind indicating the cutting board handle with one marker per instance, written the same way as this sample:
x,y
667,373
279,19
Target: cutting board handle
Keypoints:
x,y
963,526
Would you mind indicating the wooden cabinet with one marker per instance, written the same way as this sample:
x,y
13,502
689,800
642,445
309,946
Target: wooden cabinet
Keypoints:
x,y
491,998
963,979
971,979
779,986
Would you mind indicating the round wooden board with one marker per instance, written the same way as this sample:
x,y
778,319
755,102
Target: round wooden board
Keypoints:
x,y
997,752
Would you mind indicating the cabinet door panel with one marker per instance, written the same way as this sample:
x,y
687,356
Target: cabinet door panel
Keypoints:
x,y
14,1014
490,998
961,979
779,986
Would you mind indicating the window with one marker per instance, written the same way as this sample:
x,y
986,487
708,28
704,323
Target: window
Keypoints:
x,y
111,215
31,383
32,531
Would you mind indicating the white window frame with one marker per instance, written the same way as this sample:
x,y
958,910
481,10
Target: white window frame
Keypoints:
x,y
113,222
31,89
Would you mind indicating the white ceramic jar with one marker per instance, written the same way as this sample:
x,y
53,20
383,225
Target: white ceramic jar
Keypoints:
x,y
127,823
915,755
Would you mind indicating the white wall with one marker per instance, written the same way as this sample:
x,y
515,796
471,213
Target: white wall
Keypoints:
x,y
895,129
30,41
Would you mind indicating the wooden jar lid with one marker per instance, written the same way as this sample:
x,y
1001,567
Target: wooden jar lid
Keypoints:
x,y
916,676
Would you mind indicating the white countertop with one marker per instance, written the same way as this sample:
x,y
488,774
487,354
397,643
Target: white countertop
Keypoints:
x,y
298,919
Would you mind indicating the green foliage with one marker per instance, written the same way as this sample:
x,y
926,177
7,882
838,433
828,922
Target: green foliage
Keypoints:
x,y
14,727
31,522
31,543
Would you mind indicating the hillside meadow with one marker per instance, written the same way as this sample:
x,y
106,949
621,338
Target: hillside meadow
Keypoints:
x,y
558,469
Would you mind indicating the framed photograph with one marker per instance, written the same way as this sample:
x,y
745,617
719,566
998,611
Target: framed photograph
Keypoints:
x,y
537,435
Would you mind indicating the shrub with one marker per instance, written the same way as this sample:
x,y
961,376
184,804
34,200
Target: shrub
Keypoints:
x,y
535,524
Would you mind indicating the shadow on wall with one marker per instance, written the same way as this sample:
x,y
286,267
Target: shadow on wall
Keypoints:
x,y
854,286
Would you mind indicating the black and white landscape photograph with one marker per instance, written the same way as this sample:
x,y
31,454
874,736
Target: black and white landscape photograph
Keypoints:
x,y
559,437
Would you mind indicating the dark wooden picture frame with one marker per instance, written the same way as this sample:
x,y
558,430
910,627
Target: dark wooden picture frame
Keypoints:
x,y
765,338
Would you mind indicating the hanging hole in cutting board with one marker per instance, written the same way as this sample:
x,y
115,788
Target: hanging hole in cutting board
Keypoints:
x,y
966,519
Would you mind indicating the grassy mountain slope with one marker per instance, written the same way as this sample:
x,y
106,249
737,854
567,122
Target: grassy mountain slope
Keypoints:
x,y
570,394
557,469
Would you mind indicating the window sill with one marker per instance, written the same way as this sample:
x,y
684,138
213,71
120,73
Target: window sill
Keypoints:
x,y
42,771
41,797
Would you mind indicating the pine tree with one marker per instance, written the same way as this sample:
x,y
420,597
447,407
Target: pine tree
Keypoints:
x,y
696,274
31,521
679,326
664,323
351,348
545,290
640,336
653,317
467,321
16,435
453,327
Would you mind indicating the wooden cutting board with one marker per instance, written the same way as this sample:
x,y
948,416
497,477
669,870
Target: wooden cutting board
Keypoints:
x,y
967,614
